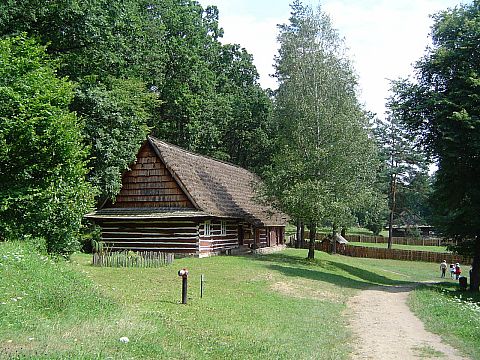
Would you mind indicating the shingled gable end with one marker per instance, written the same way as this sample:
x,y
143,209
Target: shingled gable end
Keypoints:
x,y
176,201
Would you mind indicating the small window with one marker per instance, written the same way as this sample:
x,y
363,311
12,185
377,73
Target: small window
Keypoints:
x,y
223,228
207,228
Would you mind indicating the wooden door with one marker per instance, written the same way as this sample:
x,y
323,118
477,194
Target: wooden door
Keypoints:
x,y
272,237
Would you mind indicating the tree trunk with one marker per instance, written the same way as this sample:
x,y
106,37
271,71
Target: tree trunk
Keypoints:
x,y
393,193
334,240
311,245
302,234
390,229
298,235
475,275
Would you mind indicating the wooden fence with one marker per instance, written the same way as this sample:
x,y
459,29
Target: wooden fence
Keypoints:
x,y
384,240
396,240
393,254
139,259
397,254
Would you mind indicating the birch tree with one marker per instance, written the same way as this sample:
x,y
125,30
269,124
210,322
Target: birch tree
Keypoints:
x,y
324,163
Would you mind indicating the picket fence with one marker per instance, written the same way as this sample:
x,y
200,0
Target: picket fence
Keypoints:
x,y
139,259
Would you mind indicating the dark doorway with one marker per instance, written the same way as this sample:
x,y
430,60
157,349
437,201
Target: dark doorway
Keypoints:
x,y
240,234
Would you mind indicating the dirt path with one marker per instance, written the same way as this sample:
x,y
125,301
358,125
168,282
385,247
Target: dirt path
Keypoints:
x,y
385,328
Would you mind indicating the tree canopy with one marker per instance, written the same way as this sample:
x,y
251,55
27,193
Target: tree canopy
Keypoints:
x,y
325,162
150,66
442,106
404,167
43,191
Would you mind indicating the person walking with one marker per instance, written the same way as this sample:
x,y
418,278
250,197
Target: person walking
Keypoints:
x,y
458,271
452,271
443,268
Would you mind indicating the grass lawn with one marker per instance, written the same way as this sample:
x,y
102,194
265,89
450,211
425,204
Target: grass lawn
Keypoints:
x,y
442,249
453,314
277,306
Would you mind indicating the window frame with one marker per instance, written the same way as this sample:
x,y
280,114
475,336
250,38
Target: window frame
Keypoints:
x,y
207,228
223,227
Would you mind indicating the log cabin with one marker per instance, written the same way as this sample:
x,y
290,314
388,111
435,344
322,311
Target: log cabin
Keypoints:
x,y
174,200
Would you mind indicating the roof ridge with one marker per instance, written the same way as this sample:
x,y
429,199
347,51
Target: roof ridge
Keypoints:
x,y
215,186
199,155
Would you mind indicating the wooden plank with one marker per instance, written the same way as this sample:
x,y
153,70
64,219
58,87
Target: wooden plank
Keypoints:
x,y
149,185
151,191
175,249
151,223
143,243
148,179
159,230
119,237
155,198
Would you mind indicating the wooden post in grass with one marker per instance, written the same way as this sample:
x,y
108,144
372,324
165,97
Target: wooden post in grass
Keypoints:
x,y
184,274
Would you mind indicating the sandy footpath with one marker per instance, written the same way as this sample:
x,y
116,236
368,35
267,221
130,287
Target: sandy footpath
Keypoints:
x,y
385,328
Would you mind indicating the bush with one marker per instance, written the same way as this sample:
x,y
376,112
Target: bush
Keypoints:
x,y
43,191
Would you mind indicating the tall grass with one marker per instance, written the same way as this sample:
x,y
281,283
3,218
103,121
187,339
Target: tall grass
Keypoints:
x,y
41,300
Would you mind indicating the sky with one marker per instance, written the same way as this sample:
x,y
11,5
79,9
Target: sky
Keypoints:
x,y
384,37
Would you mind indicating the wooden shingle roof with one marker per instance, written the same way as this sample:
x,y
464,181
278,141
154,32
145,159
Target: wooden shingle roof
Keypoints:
x,y
215,187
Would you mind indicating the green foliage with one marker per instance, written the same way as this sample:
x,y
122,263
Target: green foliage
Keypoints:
x,y
212,102
150,63
98,37
116,112
443,108
325,162
43,191
403,175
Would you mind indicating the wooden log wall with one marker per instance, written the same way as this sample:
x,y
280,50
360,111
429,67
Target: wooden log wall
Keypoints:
x,y
248,234
217,242
261,237
276,235
150,184
179,236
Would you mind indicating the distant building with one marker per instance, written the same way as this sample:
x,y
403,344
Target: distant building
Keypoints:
x,y
174,200
407,230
